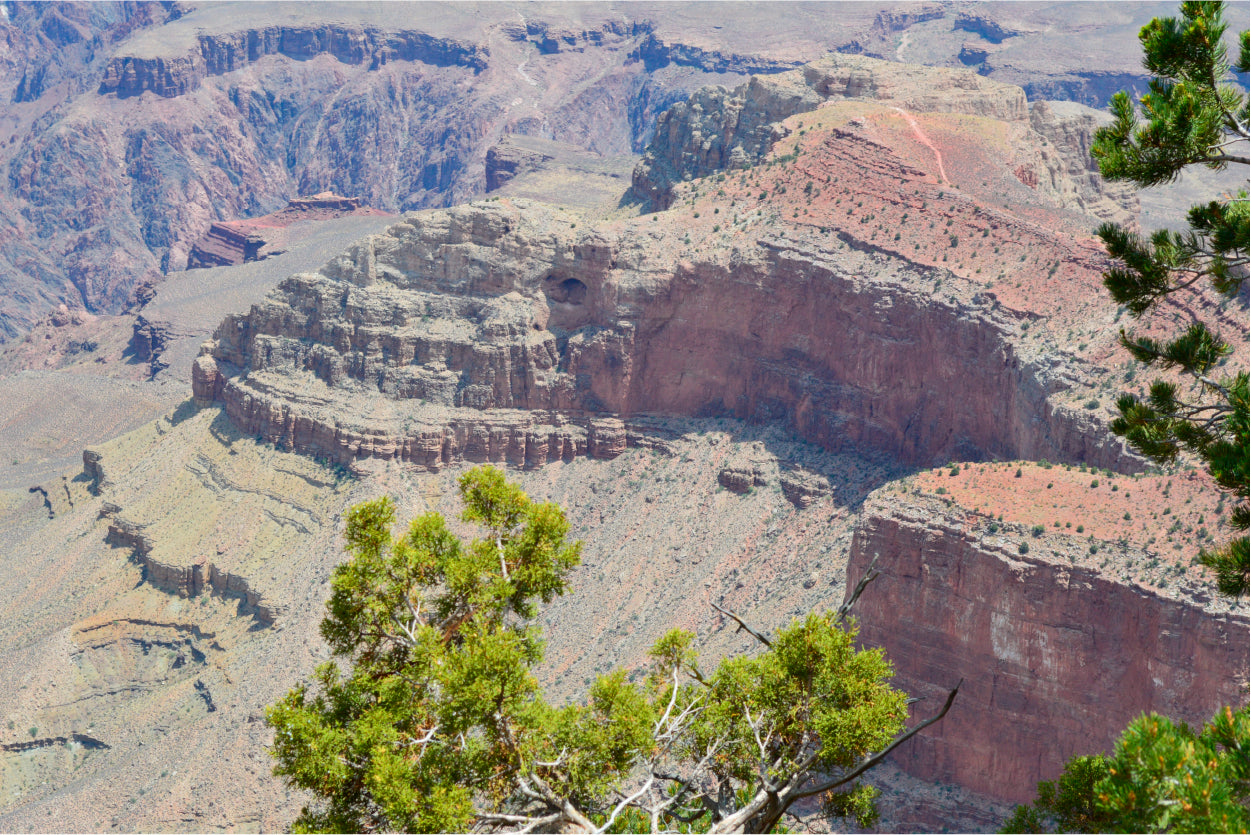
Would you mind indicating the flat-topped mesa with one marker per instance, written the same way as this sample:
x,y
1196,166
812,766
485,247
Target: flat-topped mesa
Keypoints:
x,y
719,129
503,321
230,242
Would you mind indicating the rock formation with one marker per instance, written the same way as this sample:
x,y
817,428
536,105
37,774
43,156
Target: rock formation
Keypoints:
x,y
225,118
506,160
493,331
476,321
1056,658
239,241
219,54
718,129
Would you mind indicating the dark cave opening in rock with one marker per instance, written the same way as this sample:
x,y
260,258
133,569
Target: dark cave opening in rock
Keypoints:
x,y
569,291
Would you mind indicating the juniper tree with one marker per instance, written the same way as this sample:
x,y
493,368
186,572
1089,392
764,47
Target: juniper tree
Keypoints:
x,y
1162,777
1192,116
437,723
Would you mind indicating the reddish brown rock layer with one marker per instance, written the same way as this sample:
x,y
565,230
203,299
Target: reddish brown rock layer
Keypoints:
x,y
499,307
719,129
238,241
1056,659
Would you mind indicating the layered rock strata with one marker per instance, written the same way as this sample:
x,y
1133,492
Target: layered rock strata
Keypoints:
x,y
1056,658
189,580
461,333
232,242
222,53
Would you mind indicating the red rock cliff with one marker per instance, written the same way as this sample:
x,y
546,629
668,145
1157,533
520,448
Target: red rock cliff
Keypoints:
x,y
1056,659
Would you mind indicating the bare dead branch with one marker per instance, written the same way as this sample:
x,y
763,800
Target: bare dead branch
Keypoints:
x,y
870,762
742,625
870,574
627,801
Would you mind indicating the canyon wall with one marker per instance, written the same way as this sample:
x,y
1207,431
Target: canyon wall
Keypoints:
x,y
217,54
485,315
1056,658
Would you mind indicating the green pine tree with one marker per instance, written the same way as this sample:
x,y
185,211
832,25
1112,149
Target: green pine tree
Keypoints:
x,y
1163,777
437,723
1192,115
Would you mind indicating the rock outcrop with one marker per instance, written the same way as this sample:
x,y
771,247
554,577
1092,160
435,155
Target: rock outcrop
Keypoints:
x,y
231,242
495,322
718,129
1069,171
198,577
1056,658
655,54
506,160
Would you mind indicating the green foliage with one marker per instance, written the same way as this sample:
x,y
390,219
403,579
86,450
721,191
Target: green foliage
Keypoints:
x,y
1068,804
1162,777
1191,116
437,723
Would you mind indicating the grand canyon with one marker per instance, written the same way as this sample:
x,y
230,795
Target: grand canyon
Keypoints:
x,y
761,295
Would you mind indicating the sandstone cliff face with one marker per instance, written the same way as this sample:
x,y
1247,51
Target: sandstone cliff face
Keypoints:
x,y
222,53
189,580
506,160
1072,174
1056,658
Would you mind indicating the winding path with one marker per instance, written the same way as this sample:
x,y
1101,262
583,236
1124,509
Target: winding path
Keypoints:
x,y
925,140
